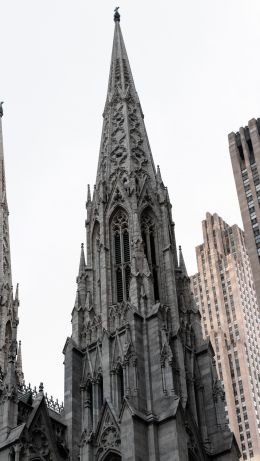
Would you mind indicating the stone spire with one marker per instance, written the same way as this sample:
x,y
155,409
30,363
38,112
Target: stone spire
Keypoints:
x,y
8,306
82,262
124,146
19,365
5,261
182,265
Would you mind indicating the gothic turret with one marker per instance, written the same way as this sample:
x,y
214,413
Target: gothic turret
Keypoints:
x,y
139,377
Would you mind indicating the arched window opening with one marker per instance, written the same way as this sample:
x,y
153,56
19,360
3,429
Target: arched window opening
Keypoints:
x,y
149,241
100,393
89,401
121,255
120,385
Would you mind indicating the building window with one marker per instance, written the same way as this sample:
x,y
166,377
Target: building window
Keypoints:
x,y
121,255
148,229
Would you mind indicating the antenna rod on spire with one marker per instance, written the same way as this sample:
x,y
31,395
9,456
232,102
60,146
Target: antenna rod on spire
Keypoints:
x,y
116,15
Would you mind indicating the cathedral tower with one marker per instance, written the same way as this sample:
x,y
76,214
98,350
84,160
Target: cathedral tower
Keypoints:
x,y
11,374
140,381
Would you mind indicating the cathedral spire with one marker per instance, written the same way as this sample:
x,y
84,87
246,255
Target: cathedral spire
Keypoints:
x,y
125,148
5,262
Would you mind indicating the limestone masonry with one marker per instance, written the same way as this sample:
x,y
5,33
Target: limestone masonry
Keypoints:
x,y
225,294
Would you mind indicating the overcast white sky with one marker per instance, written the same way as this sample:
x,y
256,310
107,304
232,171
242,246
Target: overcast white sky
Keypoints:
x,y
196,69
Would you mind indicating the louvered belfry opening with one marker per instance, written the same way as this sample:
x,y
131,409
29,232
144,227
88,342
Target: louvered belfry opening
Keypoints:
x,y
121,254
148,229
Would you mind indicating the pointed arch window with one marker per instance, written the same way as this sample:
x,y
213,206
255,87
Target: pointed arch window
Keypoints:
x,y
120,385
121,255
148,229
89,403
100,392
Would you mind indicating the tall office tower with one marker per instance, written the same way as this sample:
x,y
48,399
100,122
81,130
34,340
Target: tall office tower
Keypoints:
x,y
225,295
244,148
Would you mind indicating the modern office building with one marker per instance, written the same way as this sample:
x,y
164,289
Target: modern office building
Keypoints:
x,y
224,292
244,148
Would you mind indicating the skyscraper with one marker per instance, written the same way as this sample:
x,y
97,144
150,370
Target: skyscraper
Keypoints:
x,y
244,148
140,382
224,293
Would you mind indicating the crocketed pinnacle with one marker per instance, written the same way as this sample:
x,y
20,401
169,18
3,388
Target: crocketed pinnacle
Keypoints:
x,y
182,265
82,262
19,365
17,293
124,146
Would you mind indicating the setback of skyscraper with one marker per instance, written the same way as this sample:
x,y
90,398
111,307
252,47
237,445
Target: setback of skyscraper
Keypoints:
x,y
140,380
225,295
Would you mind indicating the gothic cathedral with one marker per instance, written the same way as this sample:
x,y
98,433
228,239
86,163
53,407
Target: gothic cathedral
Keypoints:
x,y
140,380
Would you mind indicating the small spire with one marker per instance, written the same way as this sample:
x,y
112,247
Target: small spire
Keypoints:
x,y
77,301
182,266
19,365
1,109
82,263
19,357
89,195
17,293
158,174
116,14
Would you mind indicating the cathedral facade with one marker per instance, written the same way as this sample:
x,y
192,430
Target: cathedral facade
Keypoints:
x,y
140,380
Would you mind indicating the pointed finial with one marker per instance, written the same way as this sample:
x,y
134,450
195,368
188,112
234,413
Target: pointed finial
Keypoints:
x,y
82,263
159,177
182,266
19,365
116,15
19,355
17,292
89,195
1,109
41,388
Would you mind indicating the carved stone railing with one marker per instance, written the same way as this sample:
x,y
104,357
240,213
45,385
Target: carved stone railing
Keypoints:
x,y
52,404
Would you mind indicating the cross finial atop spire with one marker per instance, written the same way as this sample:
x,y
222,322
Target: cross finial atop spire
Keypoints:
x,y
116,15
